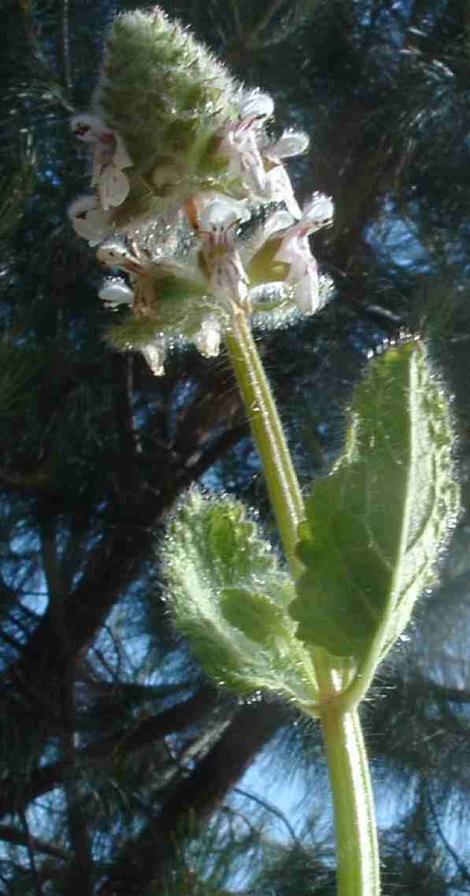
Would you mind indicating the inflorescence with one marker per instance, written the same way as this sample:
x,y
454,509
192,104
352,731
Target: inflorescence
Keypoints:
x,y
192,209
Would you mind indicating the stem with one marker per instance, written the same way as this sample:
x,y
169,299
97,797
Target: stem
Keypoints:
x,y
356,835
358,861
281,478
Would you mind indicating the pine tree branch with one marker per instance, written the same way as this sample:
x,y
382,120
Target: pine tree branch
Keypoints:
x,y
122,744
10,834
144,859
111,567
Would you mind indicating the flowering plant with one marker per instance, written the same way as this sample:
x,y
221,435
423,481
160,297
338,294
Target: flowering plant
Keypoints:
x,y
194,214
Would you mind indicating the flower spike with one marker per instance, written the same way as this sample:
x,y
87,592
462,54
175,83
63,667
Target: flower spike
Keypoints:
x,y
175,175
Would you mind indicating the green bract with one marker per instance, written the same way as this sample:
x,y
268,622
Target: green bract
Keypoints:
x,y
167,96
230,598
377,524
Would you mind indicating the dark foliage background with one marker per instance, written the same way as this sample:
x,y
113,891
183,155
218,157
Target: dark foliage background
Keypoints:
x,y
114,750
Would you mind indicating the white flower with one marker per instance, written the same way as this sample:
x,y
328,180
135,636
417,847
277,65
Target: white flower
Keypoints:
x,y
317,213
115,292
295,251
279,186
217,222
290,143
154,354
109,160
208,338
256,107
116,254
87,127
240,141
88,220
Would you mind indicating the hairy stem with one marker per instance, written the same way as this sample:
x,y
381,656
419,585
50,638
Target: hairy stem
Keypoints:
x,y
356,835
358,862
281,478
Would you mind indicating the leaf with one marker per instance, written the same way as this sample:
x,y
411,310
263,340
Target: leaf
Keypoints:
x,y
256,615
230,598
376,526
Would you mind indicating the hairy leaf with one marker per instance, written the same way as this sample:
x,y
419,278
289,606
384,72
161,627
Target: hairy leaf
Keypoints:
x,y
377,524
230,599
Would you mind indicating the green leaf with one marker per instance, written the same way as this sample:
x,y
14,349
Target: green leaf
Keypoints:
x,y
376,526
230,599
256,615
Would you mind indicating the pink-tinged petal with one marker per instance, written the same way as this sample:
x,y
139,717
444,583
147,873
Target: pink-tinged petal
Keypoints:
x,y
217,221
87,127
279,189
294,251
227,276
245,161
303,271
239,141
307,289
109,160
112,185
88,220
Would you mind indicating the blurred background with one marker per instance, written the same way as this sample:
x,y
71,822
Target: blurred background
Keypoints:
x,y
122,771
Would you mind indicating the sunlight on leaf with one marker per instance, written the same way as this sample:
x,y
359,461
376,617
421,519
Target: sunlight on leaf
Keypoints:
x,y
230,597
378,524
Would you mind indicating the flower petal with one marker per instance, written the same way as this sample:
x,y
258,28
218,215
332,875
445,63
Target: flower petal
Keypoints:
x,y
87,127
116,292
115,254
112,185
208,337
290,143
306,290
218,213
316,214
303,271
280,189
88,220
154,354
227,276
245,162
256,106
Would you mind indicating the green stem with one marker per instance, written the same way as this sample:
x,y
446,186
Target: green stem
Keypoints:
x,y
281,478
358,863
356,836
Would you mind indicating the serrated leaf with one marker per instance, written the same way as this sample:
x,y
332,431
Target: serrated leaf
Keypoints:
x,y
256,615
377,524
230,597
